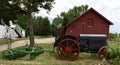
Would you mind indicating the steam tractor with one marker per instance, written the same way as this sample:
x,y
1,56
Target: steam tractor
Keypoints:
x,y
86,33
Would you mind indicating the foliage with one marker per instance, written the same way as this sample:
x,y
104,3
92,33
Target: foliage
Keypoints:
x,y
37,25
23,22
66,17
33,6
57,22
115,37
34,51
28,6
117,61
114,52
13,54
22,51
53,31
41,25
112,36
45,30
9,11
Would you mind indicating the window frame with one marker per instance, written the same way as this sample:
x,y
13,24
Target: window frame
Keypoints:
x,y
90,22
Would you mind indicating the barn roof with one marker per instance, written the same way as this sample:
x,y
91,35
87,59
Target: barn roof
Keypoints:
x,y
91,9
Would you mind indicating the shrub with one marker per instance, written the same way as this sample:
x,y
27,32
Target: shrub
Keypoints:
x,y
117,61
36,51
113,53
22,51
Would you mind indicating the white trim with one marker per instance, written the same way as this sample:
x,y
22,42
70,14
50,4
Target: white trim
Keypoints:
x,y
94,35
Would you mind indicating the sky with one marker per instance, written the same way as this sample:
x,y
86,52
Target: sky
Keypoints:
x,y
108,8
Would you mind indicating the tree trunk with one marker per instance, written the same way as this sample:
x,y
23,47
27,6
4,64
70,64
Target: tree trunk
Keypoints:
x,y
31,33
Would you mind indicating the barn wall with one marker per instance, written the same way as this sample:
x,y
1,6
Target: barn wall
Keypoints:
x,y
100,26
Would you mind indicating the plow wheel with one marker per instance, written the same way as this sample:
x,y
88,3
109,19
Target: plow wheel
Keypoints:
x,y
68,49
102,53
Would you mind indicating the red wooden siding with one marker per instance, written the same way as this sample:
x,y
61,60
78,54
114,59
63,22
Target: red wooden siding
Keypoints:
x,y
98,25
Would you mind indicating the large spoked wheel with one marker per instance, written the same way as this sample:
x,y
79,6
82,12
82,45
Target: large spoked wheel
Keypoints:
x,y
102,53
68,49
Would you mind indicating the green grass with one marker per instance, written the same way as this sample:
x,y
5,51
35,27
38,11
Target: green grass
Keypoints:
x,y
51,59
45,36
2,41
18,39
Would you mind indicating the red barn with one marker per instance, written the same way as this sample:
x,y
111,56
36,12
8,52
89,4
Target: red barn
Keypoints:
x,y
90,22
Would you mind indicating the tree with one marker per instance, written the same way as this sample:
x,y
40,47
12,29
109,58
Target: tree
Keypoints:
x,y
37,24
112,36
45,24
72,13
53,30
57,22
23,22
32,6
41,25
9,11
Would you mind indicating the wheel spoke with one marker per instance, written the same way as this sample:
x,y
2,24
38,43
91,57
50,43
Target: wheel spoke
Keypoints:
x,y
67,43
66,49
62,45
102,52
71,45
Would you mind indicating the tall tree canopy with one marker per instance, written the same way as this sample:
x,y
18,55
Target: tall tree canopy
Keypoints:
x,y
23,22
9,11
37,24
30,7
41,25
56,24
72,13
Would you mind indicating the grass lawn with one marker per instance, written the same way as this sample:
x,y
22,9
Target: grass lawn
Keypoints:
x,y
51,59
47,36
2,41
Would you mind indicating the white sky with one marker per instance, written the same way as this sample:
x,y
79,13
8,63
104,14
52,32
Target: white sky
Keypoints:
x,y
108,8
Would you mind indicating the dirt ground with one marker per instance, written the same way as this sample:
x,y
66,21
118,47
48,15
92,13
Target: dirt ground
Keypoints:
x,y
24,42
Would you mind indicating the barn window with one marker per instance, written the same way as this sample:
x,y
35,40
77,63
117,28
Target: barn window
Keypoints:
x,y
83,28
90,22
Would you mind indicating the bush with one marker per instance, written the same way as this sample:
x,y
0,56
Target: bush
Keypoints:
x,y
117,61
113,53
36,51
15,53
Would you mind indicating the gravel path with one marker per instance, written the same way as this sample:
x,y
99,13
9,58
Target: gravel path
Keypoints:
x,y
24,42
